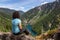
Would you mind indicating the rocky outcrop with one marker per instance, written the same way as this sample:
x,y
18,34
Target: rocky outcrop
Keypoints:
x,y
9,36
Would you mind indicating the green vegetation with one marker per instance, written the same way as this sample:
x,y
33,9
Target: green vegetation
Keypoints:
x,y
5,22
46,19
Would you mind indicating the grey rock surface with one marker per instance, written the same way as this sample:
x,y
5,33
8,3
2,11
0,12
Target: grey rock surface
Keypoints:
x,y
9,36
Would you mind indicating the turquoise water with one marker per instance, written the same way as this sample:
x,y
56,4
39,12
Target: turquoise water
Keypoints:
x,y
29,27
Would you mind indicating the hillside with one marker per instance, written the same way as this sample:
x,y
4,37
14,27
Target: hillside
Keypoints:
x,y
5,19
44,17
9,11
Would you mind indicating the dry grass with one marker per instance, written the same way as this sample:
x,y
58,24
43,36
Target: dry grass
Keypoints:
x,y
46,34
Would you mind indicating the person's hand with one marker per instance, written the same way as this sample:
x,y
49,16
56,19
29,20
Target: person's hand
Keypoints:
x,y
21,30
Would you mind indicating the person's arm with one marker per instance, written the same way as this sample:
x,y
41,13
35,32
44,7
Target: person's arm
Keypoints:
x,y
20,26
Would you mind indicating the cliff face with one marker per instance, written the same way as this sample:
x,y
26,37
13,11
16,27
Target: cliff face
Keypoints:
x,y
9,36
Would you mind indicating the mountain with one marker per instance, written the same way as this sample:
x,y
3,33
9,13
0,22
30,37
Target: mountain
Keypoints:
x,y
46,8
9,11
5,18
44,17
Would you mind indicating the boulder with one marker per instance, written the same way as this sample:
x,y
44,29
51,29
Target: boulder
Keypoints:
x,y
10,36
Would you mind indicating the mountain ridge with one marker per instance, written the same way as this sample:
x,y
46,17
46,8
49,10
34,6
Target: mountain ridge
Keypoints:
x,y
42,16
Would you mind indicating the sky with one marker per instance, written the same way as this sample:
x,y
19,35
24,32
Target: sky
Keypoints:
x,y
23,5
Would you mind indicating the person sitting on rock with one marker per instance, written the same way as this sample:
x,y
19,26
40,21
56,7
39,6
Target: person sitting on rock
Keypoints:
x,y
17,25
